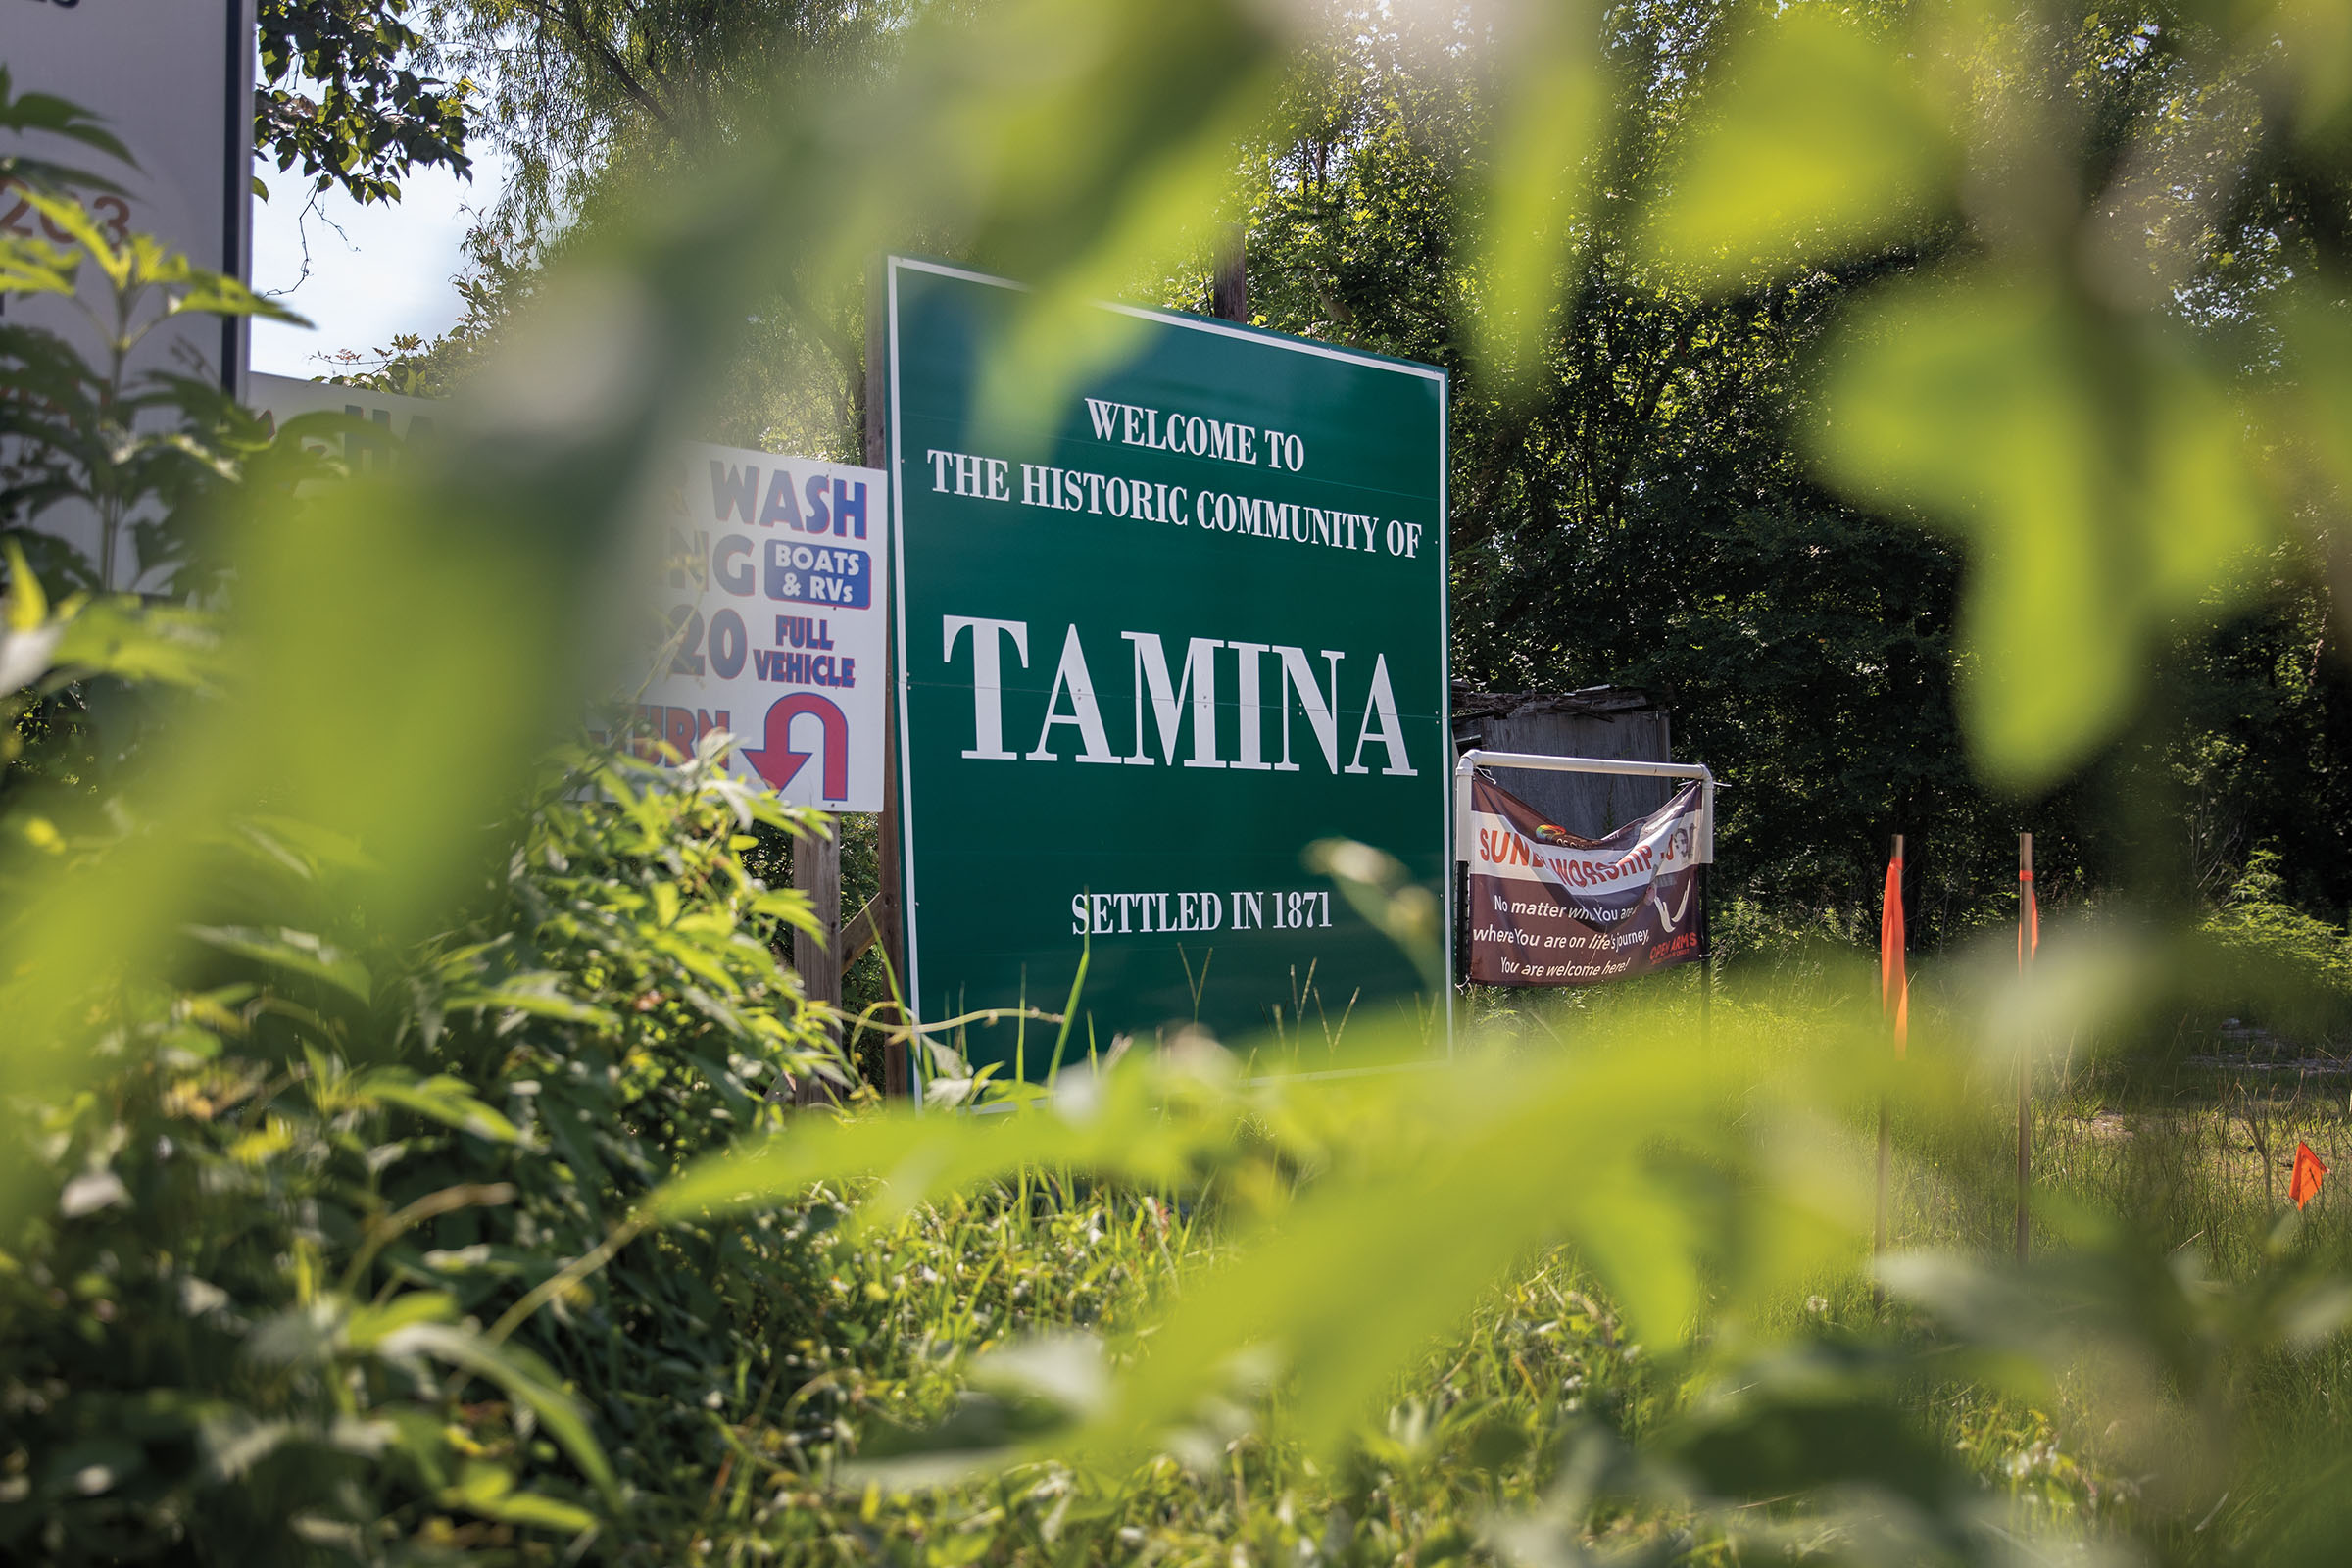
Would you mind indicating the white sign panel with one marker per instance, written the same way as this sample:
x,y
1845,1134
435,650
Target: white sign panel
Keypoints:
x,y
779,591
401,419
173,80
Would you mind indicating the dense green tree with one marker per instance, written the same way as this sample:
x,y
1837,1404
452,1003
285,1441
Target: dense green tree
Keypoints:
x,y
578,92
600,108
1639,509
1632,498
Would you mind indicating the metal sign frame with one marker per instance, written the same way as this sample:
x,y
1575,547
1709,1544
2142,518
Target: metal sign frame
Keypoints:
x,y
1475,758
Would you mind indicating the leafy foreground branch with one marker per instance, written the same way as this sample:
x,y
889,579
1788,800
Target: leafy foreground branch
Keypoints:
x,y
244,1282
390,1165
1533,1309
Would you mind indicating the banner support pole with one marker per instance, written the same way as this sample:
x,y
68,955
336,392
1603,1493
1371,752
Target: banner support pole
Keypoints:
x,y
1878,1235
1706,927
1545,762
1706,979
1459,936
2028,939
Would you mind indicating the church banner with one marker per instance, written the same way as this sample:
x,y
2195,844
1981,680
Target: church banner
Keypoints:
x,y
1546,908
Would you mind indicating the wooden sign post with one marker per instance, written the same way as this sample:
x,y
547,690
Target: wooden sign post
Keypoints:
x,y
817,871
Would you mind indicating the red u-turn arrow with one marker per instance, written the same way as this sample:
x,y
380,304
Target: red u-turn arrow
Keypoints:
x,y
780,765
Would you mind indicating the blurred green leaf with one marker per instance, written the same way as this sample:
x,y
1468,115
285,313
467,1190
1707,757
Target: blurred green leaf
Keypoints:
x,y
294,952
444,1099
523,1376
2312,406
1020,1396
35,267
1555,111
2309,44
27,606
2100,474
167,644
489,1490
116,260
1819,142
1783,1442
59,117
541,994
366,1326
1572,1151
1376,885
29,635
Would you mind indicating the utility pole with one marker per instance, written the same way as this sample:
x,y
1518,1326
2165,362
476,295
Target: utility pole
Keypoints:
x,y
1229,285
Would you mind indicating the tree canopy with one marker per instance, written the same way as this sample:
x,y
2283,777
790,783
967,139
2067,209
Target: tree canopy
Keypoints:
x,y
1646,486
341,94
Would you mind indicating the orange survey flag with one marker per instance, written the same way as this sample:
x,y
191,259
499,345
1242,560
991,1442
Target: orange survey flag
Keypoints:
x,y
2308,1171
1894,983
2028,920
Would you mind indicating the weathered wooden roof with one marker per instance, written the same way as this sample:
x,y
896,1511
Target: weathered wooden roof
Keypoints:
x,y
1590,701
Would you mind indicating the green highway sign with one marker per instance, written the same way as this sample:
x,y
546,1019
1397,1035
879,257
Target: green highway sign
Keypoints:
x,y
1147,658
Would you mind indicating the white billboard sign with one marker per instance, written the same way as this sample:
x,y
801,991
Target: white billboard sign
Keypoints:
x,y
400,419
172,79
778,571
